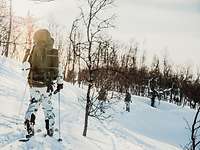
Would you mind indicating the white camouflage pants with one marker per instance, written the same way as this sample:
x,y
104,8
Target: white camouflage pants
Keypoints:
x,y
40,96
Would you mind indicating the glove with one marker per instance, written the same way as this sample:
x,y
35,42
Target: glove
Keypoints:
x,y
50,88
59,87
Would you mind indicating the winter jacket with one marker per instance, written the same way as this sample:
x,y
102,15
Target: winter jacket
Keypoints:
x,y
128,97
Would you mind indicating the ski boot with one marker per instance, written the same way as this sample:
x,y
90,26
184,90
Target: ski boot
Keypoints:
x,y
49,131
30,126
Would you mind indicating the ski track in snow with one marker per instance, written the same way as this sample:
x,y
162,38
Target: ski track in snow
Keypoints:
x,y
123,131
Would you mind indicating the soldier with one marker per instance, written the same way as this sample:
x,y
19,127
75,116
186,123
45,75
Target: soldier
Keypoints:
x,y
127,101
154,93
102,99
44,71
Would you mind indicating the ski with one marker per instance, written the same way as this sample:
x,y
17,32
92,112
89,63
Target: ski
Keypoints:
x,y
59,140
24,140
28,137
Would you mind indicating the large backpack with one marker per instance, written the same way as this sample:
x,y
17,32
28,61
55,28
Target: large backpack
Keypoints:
x,y
43,58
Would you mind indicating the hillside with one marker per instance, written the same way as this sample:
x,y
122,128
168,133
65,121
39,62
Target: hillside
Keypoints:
x,y
144,128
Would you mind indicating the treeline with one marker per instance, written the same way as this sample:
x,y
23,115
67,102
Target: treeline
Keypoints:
x,y
122,72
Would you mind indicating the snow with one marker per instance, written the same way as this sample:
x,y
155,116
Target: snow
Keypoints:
x,y
144,128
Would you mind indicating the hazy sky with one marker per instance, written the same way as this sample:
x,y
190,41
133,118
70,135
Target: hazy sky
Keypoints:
x,y
158,25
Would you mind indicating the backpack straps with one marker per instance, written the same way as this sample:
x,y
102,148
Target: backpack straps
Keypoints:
x,y
27,54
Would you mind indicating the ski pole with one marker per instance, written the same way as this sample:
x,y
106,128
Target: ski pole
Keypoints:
x,y
59,139
23,97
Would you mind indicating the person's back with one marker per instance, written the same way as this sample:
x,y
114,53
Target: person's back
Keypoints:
x,y
43,60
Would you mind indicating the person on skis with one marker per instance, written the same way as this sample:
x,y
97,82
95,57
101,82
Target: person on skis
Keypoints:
x,y
44,73
102,97
153,91
127,101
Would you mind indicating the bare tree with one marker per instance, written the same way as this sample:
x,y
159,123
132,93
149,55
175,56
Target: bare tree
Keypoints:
x,y
92,24
4,14
74,48
30,29
194,143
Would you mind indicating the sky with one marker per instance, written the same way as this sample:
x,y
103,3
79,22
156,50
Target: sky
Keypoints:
x,y
159,26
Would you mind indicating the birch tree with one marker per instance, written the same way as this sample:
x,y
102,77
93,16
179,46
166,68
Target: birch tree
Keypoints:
x,y
93,22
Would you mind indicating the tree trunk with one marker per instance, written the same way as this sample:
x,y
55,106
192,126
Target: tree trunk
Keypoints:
x,y
87,110
79,67
65,71
193,136
9,30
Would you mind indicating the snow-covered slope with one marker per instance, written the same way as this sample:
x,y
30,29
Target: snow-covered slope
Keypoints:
x,y
144,128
